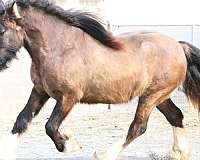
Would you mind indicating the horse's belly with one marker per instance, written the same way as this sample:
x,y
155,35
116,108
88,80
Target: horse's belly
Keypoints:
x,y
111,93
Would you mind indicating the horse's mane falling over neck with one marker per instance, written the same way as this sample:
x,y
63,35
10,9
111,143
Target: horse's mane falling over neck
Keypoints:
x,y
87,22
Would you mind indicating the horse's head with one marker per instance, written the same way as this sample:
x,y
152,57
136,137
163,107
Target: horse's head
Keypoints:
x,y
11,34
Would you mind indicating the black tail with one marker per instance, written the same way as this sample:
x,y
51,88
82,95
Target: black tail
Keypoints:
x,y
191,84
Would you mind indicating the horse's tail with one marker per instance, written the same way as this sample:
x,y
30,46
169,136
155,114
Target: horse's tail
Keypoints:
x,y
191,85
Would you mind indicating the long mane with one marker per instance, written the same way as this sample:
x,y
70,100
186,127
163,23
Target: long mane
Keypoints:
x,y
87,22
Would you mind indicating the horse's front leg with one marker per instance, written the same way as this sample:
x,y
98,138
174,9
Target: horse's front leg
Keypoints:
x,y
63,143
36,101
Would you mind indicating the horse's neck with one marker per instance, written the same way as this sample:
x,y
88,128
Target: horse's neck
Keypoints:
x,y
46,33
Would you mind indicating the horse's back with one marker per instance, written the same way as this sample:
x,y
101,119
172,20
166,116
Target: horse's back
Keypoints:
x,y
154,47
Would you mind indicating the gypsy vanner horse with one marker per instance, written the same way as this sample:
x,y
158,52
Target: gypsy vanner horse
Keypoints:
x,y
74,59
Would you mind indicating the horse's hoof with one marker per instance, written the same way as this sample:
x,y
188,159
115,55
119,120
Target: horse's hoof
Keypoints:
x,y
178,155
174,155
72,145
20,125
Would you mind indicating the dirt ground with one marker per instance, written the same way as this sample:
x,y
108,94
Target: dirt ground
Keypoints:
x,y
94,126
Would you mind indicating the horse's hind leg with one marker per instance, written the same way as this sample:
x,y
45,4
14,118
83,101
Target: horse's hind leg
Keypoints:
x,y
63,143
174,116
36,101
147,102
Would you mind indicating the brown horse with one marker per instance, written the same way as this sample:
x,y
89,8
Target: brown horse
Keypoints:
x,y
74,59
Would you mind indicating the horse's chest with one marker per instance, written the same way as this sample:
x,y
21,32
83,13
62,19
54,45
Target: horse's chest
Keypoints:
x,y
58,79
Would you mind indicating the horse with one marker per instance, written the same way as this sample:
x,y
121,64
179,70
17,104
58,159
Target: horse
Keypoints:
x,y
75,59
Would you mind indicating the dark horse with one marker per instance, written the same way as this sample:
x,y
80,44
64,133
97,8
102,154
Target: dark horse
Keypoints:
x,y
74,59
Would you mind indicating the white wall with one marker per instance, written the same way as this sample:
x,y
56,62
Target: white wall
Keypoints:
x,y
162,12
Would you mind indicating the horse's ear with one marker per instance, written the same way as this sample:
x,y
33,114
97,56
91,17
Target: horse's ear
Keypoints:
x,y
12,10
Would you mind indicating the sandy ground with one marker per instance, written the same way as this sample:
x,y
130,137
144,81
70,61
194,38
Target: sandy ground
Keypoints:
x,y
94,126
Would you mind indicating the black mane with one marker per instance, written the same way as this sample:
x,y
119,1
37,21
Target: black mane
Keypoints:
x,y
89,23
